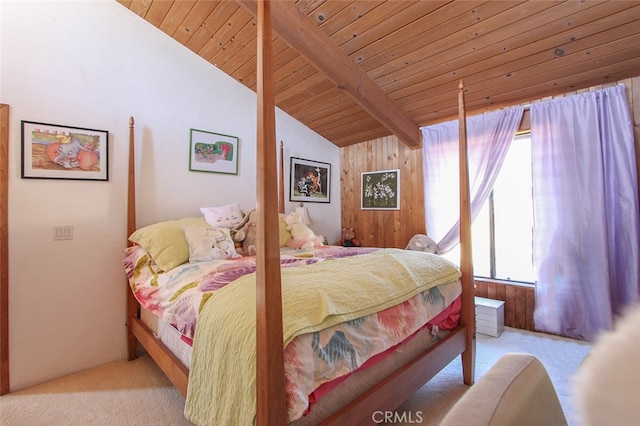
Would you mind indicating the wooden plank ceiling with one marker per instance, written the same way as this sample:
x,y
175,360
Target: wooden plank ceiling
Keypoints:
x,y
507,53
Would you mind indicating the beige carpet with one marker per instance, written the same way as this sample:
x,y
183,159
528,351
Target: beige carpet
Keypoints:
x,y
137,393
561,357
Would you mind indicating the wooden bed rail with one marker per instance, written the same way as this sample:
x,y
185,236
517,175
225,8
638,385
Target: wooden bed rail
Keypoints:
x,y
399,386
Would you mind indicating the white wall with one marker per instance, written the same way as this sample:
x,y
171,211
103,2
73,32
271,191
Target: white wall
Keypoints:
x,y
93,64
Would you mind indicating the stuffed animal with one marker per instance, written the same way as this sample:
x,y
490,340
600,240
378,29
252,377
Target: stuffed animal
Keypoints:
x,y
349,238
302,237
245,233
421,242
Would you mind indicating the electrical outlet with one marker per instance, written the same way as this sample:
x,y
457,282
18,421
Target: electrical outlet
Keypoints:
x,y
63,232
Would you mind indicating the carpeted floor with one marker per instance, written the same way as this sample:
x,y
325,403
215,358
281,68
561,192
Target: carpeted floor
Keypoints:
x,y
137,393
560,356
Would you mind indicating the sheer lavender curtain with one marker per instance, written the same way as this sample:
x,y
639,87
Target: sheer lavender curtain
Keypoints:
x,y
489,136
585,195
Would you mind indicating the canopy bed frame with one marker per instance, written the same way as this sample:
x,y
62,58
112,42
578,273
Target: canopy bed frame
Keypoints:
x,y
389,393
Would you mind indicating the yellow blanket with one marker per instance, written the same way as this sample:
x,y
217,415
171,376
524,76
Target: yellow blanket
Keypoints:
x,y
222,379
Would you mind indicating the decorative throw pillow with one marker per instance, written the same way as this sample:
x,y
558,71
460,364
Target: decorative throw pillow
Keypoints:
x,y
226,216
165,241
209,243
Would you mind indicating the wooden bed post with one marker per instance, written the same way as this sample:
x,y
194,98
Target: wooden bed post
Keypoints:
x,y
4,249
132,303
137,331
466,260
271,408
281,182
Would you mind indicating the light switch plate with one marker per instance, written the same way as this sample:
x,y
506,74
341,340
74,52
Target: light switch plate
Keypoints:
x,y
63,232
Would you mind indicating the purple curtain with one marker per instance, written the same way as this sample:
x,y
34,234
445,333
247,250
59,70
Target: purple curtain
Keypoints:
x,y
585,195
489,136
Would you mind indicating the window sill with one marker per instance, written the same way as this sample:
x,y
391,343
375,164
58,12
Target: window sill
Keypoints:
x,y
505,282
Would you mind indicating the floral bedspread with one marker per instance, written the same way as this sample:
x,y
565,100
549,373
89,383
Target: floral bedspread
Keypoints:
x,y
177,297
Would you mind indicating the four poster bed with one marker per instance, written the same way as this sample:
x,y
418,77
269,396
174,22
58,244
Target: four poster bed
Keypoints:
x,y
289,363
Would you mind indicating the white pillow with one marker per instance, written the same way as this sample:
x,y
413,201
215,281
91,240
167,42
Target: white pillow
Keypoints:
x,y
209,243
226,216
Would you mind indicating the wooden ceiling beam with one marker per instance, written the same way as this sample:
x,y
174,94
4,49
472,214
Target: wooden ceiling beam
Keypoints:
x,y
303,35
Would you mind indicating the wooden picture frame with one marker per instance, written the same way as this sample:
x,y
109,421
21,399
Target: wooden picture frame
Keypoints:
x,y
380,190
53,151
310,181
213,152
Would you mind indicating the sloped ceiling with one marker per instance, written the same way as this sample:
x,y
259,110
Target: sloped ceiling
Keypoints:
x,y
414,52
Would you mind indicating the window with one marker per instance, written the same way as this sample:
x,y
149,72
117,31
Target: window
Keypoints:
x,y
502,231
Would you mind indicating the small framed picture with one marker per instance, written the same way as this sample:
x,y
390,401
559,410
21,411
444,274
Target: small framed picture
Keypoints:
x,y
213,152
310,181
52,151
381,190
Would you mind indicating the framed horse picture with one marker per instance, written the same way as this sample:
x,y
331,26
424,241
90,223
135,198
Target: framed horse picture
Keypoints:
x,y
310,181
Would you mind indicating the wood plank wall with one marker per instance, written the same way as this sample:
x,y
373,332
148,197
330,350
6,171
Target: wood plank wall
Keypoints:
x,y
519,301
383,228
395,228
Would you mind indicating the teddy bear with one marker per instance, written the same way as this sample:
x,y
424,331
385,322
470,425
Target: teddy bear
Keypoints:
x,y
302,237
245,234
349,238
